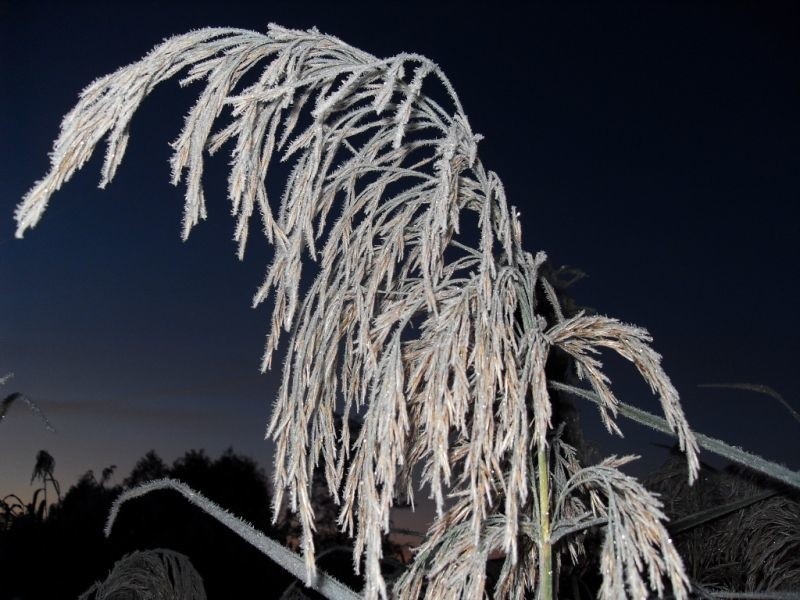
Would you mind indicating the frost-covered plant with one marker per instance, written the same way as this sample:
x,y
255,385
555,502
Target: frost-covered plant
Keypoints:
x,y
735,531
150,575
11,399
426,323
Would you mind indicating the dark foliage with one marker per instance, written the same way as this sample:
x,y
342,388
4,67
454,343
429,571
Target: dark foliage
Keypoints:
x,y
753,548
59,555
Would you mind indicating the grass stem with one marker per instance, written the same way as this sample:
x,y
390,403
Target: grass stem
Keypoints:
x,y
545,545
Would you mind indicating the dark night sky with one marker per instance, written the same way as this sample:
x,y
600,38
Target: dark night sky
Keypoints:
x,y
655,147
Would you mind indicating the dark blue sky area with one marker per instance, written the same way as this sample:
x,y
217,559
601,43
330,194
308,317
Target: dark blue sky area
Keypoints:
x,y
653,145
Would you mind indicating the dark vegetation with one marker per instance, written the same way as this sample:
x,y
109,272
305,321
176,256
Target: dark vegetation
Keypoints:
x,y
754,548
58,552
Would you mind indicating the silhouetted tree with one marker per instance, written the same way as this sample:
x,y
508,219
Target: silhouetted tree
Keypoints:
x,y
147,468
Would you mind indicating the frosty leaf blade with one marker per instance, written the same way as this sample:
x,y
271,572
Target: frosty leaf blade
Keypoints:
x,y
715,512
716,446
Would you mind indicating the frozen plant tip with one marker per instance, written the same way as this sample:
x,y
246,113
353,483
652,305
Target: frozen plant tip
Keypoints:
x,y
15,397
436,335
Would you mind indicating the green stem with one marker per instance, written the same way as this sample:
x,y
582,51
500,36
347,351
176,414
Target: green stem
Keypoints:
x,y
527,303
545,545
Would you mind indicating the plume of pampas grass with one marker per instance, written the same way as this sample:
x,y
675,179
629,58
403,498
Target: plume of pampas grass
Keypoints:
x,y
149,575
435,335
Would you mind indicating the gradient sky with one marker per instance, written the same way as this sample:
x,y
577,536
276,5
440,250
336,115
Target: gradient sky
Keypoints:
x,y
654,147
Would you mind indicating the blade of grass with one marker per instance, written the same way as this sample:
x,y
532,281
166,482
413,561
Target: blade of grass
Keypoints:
x,y
6,403
755,595
752,461
715,512
758,388
706,594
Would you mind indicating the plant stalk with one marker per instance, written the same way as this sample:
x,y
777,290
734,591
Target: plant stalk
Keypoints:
x,y
545,545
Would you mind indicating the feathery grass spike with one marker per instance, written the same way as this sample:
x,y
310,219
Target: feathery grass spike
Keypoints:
x,y
150,574
434,334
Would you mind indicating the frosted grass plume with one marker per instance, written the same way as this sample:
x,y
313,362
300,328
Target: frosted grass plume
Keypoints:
x,y
435,335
